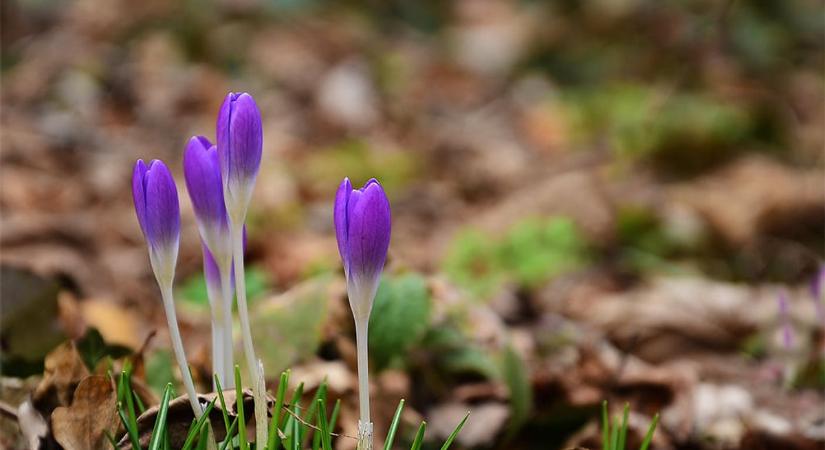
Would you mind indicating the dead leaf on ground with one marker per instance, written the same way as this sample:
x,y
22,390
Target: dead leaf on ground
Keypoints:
x,y
93,412
64,370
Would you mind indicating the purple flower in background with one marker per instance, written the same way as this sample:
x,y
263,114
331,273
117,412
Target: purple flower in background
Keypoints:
x,y
362,227
158,212
202,172
240,143
785,318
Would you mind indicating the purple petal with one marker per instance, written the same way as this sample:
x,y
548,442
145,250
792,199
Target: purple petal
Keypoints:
x,y
162,209
210,269
785,318
139,192
202,173
369,230
340,218
240,138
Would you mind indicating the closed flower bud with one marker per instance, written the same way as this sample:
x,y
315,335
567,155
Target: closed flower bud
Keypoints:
x,y
240,143
362,227
158,212
202,172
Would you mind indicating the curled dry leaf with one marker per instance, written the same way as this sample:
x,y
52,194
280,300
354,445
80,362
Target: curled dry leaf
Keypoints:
x,y
63,372
93,412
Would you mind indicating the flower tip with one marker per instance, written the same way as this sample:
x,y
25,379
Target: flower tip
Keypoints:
x,y
198,143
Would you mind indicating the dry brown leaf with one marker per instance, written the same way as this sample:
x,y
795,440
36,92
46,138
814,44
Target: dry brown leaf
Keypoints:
x,y
81,426
63,371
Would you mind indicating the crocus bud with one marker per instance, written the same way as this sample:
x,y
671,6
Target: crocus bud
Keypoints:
x,y
362,227
156,205
202,172
240,142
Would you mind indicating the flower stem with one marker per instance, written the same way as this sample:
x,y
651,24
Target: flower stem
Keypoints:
x,y
364,424
217,348
228,345
177,345
236,230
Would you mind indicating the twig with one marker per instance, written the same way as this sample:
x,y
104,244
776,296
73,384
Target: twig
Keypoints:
x,y
314,427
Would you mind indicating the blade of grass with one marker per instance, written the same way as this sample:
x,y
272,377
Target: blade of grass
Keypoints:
x,y
223,404
197,426
229,434
455,432
309,414
204,438
623,428
326,436
605,427
131,432
649,436
614,435
419,437
130,404
334,418
139,402
111,439
159,432
296,430
275,437
244,445
288,426
394,426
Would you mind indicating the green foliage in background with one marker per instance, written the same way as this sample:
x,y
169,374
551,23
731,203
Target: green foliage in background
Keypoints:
x,y
357,160
533,252
286,329
400,318
194,292
680,131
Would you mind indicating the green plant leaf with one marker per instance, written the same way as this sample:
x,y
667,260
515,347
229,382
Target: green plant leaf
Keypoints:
x,y
419,437
455,432
159,435
521,392
399,319
287,328
396,418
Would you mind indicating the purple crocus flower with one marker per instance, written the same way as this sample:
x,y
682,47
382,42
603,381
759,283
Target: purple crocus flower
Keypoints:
x,y
158,212
202,172
240,143
362,227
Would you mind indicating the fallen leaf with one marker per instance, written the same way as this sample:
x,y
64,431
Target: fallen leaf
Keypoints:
x,y
64,370
93,412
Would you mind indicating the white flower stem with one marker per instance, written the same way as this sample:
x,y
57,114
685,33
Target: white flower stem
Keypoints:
x,y
228,377
177,345
236,230
364,424
217,348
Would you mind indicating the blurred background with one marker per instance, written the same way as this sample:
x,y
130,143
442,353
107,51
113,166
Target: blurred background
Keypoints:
x,y
592,200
